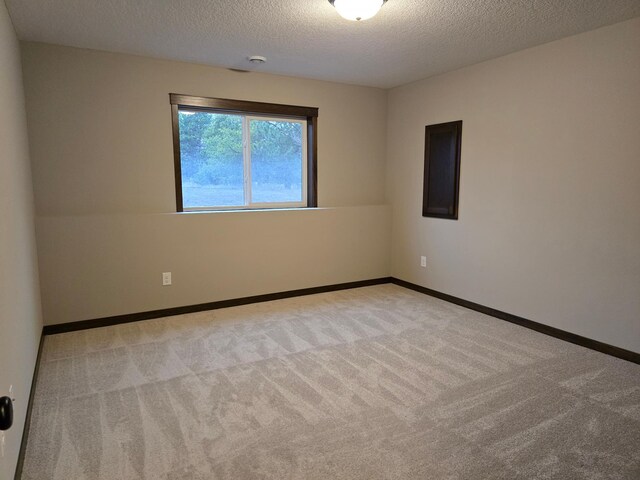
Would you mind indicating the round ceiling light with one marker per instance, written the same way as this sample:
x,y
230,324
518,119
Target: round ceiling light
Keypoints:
x,y
357,10
257,59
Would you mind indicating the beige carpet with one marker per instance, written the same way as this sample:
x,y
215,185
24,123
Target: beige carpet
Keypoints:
x,y
371,383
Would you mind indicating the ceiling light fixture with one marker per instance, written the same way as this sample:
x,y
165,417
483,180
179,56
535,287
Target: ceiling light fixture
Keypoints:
x,y
357,9
257,59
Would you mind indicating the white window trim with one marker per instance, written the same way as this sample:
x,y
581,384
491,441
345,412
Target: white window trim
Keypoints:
x,y
247,180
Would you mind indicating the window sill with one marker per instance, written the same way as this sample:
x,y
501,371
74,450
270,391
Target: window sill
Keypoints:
x,y
249,210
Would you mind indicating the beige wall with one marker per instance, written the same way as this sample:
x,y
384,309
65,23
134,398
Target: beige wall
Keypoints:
x,y
20,323
102,155
549,225
100,125
103,265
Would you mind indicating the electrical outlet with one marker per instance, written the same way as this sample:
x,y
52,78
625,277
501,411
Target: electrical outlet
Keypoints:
x,y
166,278
423,262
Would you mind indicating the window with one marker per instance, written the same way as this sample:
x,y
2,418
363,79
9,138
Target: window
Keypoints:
x,y
232,154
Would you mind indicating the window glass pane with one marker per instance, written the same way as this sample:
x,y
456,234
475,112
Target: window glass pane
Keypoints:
x,y
211,159
276,161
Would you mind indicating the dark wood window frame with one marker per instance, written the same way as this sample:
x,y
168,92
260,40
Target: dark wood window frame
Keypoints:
x,y
445,168
223,105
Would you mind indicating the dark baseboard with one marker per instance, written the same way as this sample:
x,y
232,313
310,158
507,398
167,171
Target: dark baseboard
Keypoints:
x,y
523,322
27,419
168,312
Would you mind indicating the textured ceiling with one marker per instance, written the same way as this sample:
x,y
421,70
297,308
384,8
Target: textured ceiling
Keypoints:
x,y
408,40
